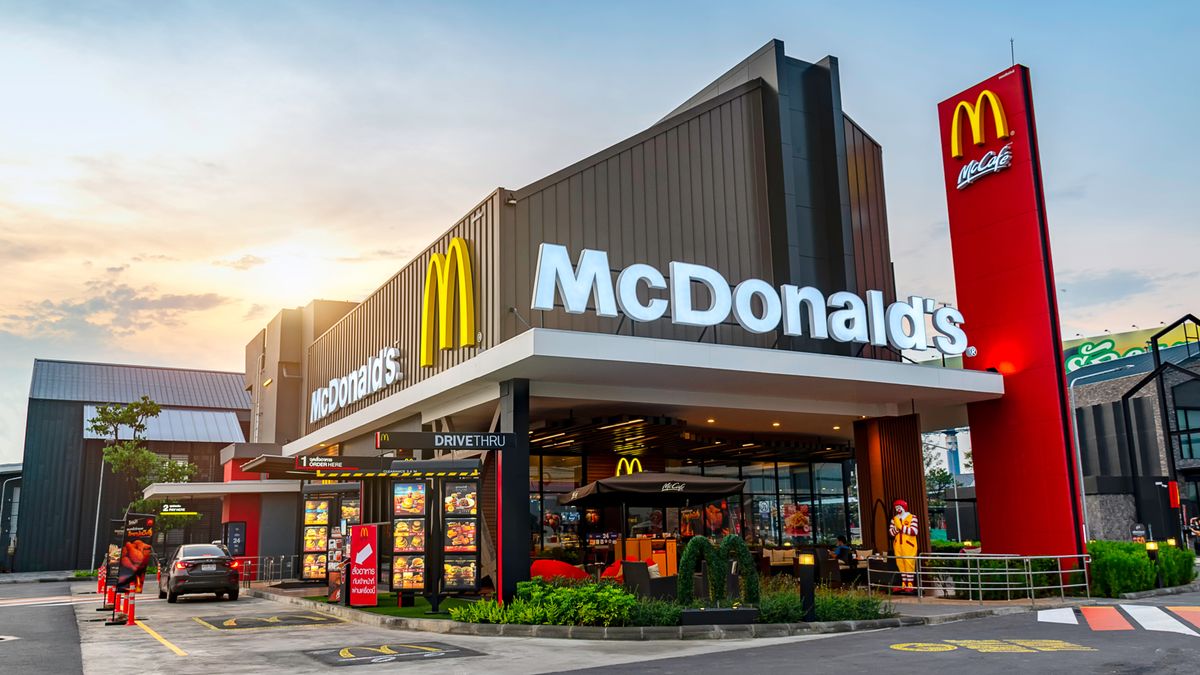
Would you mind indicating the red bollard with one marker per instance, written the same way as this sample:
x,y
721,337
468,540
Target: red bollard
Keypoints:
x,y
110,597
130,606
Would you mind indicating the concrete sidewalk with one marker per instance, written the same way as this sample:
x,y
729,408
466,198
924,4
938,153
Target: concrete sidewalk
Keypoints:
x,y
38,577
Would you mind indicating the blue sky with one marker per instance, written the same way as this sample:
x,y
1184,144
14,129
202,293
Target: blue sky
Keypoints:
x,y
172,175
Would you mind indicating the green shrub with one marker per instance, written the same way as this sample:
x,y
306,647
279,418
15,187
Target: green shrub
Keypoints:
x,y
943,546
1120,567
650,612
697,549
781,607
1178,565
851,605
555,603
84,574
734,547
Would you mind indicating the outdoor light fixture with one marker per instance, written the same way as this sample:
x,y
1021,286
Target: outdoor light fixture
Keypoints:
x,y
511,201
1170,541
1152,554
806,572
807,559
1152,546
711,420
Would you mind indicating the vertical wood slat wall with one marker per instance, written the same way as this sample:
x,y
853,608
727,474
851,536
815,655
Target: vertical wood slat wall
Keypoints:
x,y
890,467
868,220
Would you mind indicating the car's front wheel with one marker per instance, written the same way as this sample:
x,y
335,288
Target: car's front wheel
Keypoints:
x,y
233,595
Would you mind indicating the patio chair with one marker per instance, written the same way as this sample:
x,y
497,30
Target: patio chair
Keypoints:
x,y
639,582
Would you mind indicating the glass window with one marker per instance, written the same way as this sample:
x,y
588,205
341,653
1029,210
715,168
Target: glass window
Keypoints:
x,y
722,470
561,473
794,478
796,514
682,466
828,478
560,524
759,477
831,519
535,517
764,520
535,474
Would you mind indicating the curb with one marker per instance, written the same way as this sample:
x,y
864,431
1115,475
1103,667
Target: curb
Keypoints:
x,y
44,580
627,633
1174,590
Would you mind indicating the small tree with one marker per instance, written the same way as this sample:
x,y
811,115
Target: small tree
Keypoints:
x,y
133,462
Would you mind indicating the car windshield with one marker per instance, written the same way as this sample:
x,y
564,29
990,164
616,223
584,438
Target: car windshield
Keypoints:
x,y
201,551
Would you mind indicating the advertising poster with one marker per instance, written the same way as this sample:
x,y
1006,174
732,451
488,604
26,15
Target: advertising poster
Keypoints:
x,y
408,573
796,521
314,538
235,538
459,574
334,564
460,498
313,565
364,566
408,499
351,511
136,550
316,512
408,535
112,557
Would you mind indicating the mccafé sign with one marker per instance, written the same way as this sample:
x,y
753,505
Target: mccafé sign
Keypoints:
x,y
842,316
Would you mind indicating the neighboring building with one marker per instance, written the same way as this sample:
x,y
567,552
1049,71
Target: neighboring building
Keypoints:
x,y
10,507
203,411
1107,457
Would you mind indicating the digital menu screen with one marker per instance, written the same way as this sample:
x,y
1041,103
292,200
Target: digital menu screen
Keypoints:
x,y
408,573
316,512
408,499
314,566
315,539
461,536
459,573
351,511
408,535
460,498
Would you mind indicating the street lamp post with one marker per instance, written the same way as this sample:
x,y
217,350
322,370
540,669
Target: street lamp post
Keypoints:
x,y
1078,452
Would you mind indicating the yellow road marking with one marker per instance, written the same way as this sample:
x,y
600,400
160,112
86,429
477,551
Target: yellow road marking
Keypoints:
x,y
428,649
923,647
1053,646
166,643
993,646
989,646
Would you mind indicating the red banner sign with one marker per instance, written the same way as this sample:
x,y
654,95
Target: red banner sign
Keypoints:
x,y
136,550
1004,277
364,566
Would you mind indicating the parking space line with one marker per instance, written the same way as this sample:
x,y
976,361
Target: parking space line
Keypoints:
x,y
166,643
1105,618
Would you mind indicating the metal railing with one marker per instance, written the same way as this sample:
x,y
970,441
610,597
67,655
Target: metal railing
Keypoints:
x,y
978,576
268,569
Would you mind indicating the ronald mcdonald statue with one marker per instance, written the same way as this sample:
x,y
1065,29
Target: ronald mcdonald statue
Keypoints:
x,y
904,544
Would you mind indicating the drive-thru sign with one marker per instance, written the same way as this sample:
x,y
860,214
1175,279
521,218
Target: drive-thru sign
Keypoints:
x,y
364,566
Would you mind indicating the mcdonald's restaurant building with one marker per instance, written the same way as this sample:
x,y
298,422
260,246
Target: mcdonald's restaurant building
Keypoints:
x,y
713,295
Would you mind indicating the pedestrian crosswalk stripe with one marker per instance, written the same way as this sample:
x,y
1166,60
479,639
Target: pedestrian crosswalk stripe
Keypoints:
x,y
1189,614
1061,615
1153,618
1105,618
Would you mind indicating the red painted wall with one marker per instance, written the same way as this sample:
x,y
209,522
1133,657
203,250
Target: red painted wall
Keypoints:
x,y
232,471
246,508
1025,472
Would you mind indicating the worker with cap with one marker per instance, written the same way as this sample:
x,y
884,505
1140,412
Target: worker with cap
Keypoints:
x,y
904,544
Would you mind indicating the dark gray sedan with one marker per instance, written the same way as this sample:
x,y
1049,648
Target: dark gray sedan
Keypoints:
x,y
200,568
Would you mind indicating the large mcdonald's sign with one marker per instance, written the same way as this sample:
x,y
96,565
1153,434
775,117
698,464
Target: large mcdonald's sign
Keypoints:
x,y
630,465
448,279
974,115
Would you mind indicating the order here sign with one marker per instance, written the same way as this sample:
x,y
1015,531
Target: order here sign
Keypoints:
x,y
364,566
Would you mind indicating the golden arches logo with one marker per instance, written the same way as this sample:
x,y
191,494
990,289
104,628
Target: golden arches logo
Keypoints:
x,y
974,115
629,465
448,279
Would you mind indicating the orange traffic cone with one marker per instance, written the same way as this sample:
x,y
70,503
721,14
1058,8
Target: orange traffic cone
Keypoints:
x,y
121,603
110,596
130,607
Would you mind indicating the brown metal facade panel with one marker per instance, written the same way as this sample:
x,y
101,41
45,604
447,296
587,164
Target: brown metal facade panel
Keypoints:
x,y
868,219
890,467
391,316
692,189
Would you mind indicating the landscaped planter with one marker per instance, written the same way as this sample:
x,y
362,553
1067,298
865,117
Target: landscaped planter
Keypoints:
x,y
718,617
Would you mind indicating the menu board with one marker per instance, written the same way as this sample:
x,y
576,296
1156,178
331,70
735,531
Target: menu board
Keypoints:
x,y
408,535
313,566
461,536
459,574
351,511
408,573
315,539
408,499
460,498
316,512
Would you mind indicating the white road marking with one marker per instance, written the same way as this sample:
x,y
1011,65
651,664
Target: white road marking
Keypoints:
x,y
1154,618
1062,615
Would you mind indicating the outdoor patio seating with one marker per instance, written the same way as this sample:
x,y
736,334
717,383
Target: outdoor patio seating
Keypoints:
x,y
639,582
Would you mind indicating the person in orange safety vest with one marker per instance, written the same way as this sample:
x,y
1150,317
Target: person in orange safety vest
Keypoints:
x,y
904,544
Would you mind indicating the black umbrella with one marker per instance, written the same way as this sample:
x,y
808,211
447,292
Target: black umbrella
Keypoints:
x,y
654,489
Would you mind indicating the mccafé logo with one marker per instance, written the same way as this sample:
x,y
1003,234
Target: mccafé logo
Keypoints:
x,y
438,303
992,162
843,316
630,465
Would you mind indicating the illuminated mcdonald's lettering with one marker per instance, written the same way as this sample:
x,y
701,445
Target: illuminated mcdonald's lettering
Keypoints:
x,y
453,266
975,119
630,465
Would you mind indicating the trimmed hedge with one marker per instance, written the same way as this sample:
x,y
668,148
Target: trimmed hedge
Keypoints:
x,y
1124,567
944,546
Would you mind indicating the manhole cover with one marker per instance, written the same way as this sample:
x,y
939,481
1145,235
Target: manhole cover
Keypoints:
x,y
361,655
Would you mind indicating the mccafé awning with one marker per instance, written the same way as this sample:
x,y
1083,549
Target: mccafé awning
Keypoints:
x,y
654,489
